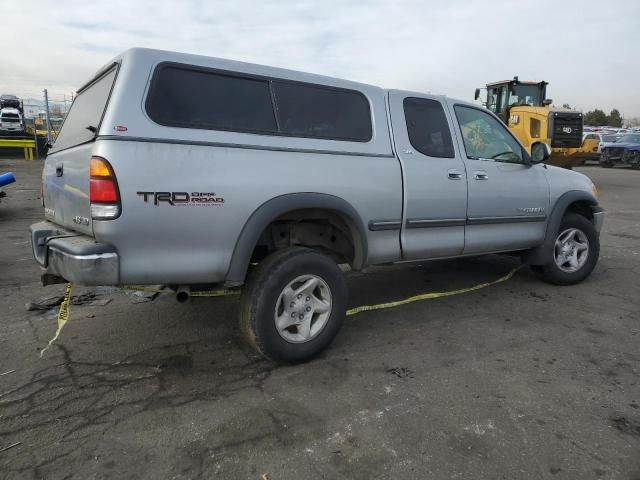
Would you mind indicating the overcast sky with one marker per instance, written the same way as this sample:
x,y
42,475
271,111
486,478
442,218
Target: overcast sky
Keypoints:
x,y
588,50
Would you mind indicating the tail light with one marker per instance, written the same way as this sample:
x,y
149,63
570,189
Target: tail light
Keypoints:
x,y
103,190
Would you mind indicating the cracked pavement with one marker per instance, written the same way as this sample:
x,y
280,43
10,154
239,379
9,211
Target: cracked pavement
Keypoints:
x,y
519,380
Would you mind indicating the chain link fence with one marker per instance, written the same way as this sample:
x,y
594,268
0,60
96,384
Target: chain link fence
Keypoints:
x,y
42,118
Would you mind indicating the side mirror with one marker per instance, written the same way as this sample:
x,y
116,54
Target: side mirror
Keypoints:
x,y
540,152
477,94
547,101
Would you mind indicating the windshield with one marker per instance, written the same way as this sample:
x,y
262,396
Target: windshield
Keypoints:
x,y
632,138
609,138
86,111
524,95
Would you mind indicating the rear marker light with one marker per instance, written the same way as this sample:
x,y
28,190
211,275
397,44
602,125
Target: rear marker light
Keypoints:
x,y
103,190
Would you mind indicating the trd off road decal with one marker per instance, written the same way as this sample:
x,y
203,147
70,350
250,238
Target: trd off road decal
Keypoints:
x,y
176,199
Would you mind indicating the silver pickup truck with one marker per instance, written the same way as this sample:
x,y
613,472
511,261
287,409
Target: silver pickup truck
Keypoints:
x,y
190,171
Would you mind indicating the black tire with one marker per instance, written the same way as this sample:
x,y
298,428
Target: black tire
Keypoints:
x,y
261,294
537,269
552,273
604,161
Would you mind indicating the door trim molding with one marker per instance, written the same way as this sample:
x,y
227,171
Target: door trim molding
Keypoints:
x,y
435,223
497,220
413,223
378,225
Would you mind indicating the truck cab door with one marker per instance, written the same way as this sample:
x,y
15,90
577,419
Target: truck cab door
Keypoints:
x,y
508,197
435,182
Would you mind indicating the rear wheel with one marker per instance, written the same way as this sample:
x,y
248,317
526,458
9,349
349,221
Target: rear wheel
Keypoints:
x,y
604,160
293,304
575,252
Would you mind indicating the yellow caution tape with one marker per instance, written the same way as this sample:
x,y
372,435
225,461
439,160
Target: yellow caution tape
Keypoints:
x,y
63,316
430,295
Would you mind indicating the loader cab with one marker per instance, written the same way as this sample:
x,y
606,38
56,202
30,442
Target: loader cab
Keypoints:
x,y
501,96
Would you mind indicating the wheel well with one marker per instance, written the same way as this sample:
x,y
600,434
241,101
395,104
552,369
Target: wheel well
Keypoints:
x,y
324,230
581,207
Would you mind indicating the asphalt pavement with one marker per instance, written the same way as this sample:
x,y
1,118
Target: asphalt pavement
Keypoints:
x,y
518,380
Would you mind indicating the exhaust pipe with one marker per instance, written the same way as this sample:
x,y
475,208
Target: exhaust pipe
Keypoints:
x,y
183,293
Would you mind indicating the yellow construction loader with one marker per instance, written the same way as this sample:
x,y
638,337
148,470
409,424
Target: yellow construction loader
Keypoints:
x,y
526,110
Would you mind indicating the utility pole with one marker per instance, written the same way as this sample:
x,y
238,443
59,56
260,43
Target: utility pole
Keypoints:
x,y
46,112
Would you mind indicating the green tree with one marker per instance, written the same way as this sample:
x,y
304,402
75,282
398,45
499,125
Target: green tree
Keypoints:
x,y
614,119
595,118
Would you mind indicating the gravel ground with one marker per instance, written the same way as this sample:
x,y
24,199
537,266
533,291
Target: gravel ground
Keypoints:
x,y
519,380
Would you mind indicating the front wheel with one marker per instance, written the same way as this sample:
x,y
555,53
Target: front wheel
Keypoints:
x,y
293,304
604,160
575,252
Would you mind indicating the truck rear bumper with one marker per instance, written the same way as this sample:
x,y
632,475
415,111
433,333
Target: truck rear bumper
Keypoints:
x,y
76,258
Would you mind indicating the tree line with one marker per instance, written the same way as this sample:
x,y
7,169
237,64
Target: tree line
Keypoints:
x,y
597,118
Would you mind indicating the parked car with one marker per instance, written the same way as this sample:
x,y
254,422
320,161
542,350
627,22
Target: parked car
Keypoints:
x,y
10,101
188,171
606,139
11,121
589,147
590,142
632,156
622,151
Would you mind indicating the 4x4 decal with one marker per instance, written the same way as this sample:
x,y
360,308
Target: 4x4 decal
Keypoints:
x,y
207,199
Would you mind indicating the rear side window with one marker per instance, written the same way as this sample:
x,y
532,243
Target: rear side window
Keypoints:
x,y
190,97
181,97
86,111
319,112
427,127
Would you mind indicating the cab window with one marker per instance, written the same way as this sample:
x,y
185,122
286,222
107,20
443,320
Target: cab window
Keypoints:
x,y
427,127
485,137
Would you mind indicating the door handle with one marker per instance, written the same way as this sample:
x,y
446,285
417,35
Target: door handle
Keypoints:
x,y
59,170
481,175
454,175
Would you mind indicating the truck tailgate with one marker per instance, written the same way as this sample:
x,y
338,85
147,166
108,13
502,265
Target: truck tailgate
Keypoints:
x,y
66,188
